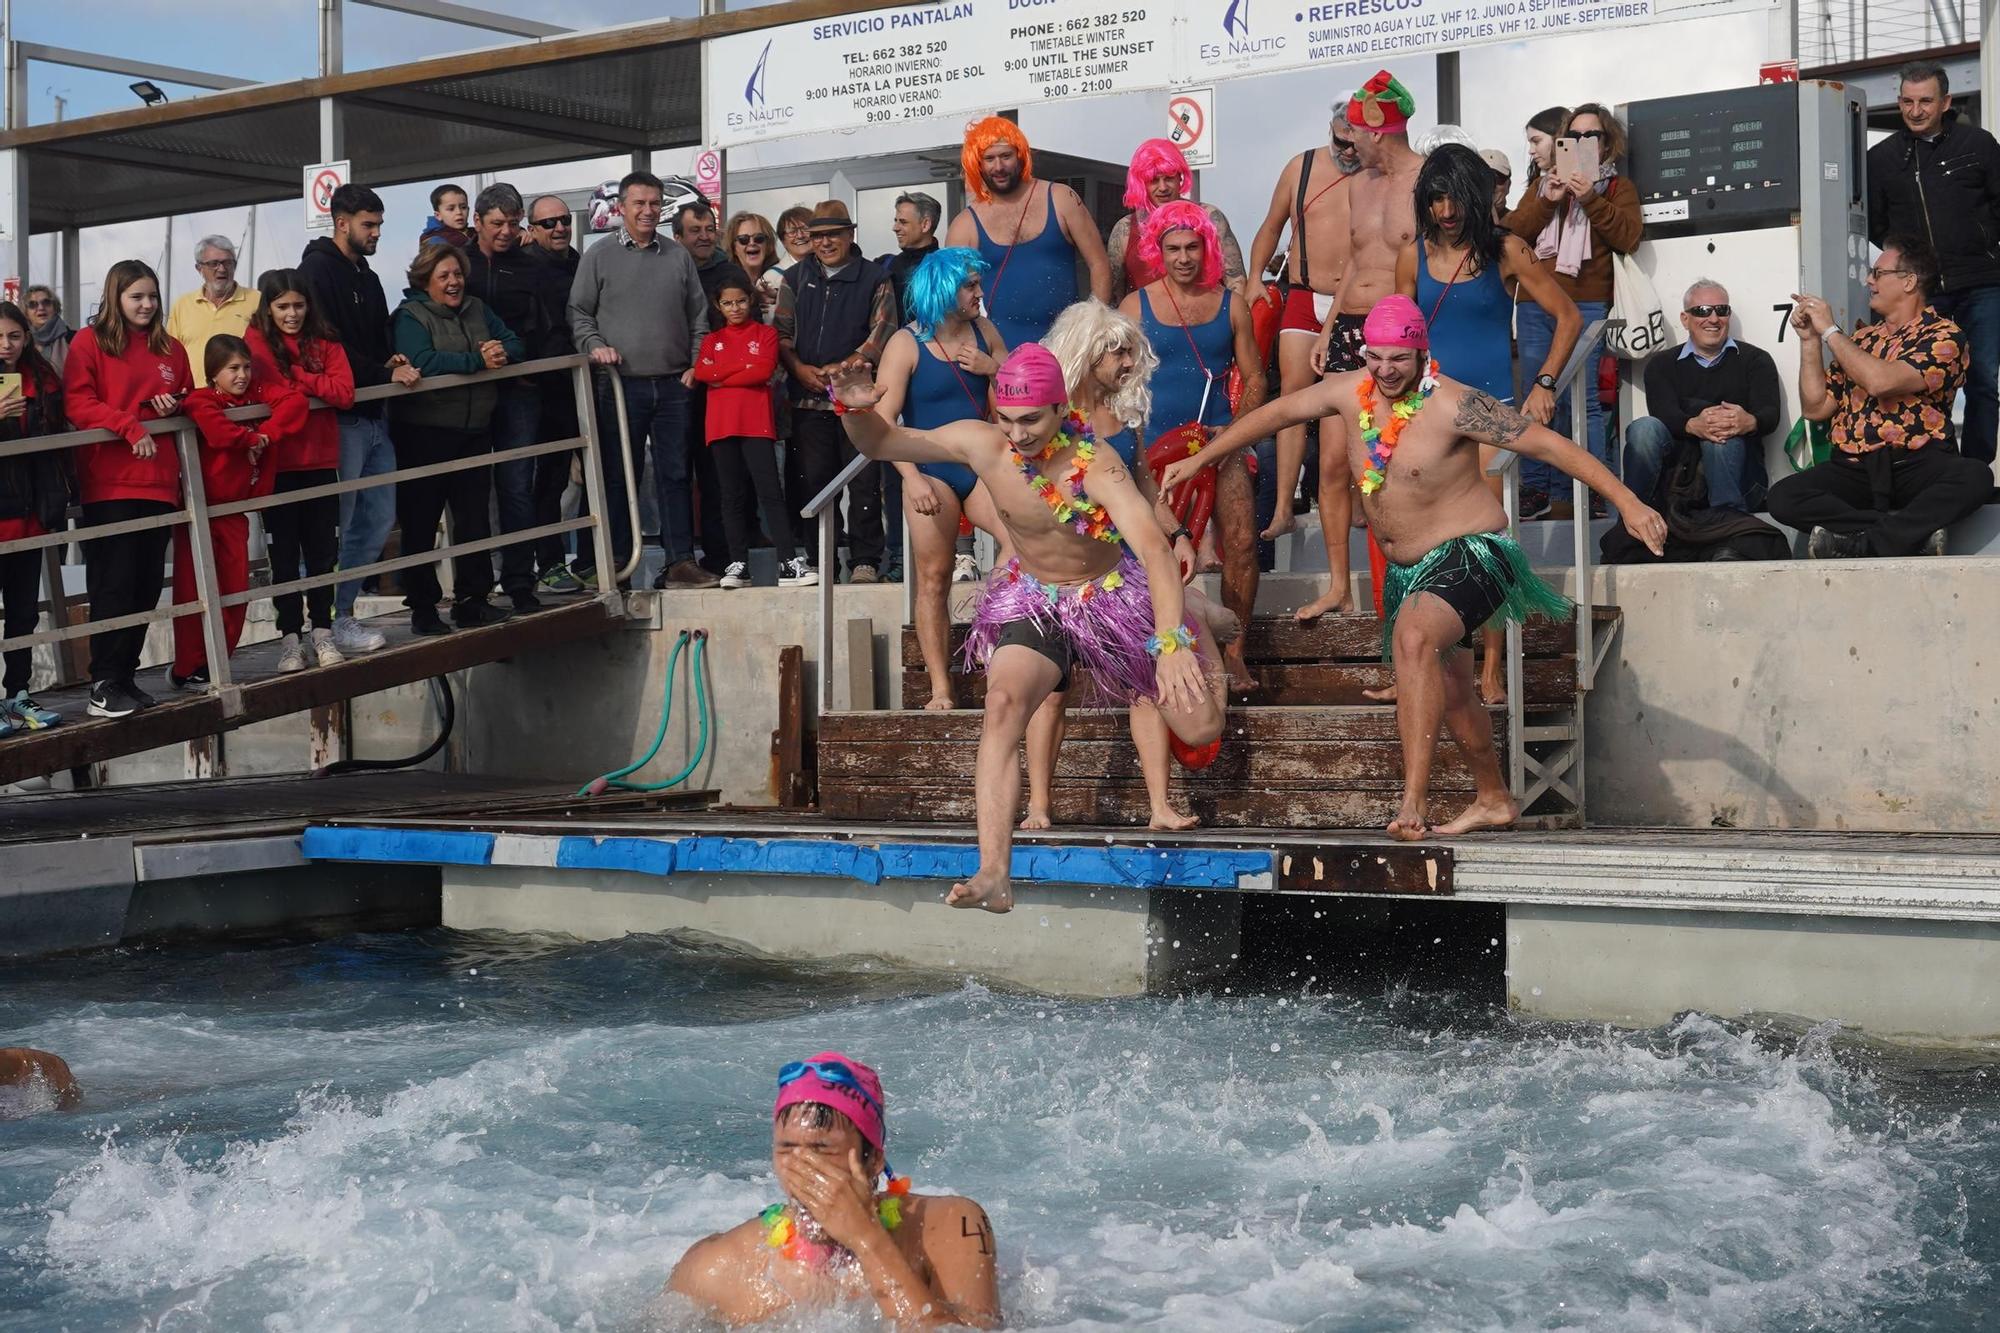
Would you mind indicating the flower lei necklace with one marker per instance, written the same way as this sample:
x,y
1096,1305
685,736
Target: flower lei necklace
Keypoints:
x,y
1076,509
1381,439
781,1233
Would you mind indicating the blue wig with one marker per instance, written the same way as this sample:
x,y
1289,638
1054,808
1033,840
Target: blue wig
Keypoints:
x,y
932,293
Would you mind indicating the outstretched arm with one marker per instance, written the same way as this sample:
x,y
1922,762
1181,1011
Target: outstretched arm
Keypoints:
x,y
855,389
1483,418
1311,403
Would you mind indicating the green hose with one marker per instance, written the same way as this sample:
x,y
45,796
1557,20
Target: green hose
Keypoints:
x,y
616,778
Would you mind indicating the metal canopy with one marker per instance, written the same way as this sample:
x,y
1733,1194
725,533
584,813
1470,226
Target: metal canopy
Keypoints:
x,y
614,91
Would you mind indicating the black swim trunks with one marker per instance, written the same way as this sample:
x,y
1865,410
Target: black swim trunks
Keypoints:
x,y
1343,349
1051,643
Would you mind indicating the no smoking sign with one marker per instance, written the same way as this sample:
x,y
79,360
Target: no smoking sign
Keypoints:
x,y
1191,125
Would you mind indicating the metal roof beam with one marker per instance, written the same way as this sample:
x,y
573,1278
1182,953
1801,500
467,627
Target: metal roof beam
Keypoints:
x,y
187,164
445,12
138,69
459,111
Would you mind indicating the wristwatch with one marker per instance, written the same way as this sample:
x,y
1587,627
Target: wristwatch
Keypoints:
x,y
1546,382
1179,533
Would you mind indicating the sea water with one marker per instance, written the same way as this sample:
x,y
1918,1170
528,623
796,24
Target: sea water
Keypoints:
x,y
452,1130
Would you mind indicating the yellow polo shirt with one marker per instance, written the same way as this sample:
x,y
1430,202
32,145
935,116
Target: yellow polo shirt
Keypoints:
x,y
195,319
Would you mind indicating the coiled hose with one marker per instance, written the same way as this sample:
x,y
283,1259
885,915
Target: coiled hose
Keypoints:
x,y
616,778
447,715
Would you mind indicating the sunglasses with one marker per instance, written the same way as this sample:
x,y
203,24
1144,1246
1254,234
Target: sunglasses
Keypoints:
x,y
1708,311
831,1072
550,224
1586,134
42,304
753,240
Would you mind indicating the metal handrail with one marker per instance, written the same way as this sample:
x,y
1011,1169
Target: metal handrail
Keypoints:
x,y
821,507
194,513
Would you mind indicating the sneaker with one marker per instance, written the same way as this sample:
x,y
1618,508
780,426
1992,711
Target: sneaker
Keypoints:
x,y
863,574
427,624
351,636
7,725
291,655
965,569
1534,504
586,579
26,714
736,576
473,614
324,651
686,574
1824,545
796,573
561,581
196,679
1933,544
109,698
525,601
892,572
139,696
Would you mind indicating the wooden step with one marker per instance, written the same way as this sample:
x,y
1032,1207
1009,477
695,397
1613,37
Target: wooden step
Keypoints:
x,y
1550,683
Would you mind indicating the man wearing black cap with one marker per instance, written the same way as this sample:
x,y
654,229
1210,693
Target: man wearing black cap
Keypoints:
x,y
834,307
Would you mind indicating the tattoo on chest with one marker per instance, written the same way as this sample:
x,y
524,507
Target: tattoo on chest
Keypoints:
x,y
976,1229
1483,417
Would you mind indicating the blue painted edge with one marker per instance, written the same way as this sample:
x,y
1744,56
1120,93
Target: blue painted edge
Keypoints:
x,y
1096,867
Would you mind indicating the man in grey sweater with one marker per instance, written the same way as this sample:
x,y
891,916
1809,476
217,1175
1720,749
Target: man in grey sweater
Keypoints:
x,y
636,307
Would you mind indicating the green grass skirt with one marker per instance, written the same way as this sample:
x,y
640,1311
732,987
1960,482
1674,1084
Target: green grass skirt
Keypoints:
x,y
1498,558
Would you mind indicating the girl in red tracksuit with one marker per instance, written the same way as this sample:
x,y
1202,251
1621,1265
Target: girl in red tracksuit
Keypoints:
x,y
122,370
291,342
737,362
235,465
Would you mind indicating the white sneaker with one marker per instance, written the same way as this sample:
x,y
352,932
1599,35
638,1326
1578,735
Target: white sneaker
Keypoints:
x,y
965,570
292,657
323,649
736,576
796,573
351,636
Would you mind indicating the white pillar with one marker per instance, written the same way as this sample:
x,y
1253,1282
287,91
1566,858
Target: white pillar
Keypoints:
x,y
1989,65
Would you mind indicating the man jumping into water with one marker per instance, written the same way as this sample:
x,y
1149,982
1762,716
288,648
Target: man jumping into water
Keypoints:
x,y
1093,581
927,1260
1451,569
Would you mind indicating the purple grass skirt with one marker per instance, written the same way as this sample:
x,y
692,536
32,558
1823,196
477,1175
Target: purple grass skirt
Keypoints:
x,y
1107,622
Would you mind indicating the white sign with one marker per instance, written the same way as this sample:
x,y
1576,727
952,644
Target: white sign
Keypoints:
x,y
1191,125
941,61
322,179
708,176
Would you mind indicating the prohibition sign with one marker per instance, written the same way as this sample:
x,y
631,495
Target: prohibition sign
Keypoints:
x,y
1185,115
323,187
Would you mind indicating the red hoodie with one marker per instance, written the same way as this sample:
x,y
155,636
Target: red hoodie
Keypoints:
x,y
737,362
104,392
318,445
227,474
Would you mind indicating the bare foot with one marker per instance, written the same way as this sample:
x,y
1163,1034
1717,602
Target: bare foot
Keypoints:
x,y
989,889
1221,621
1282,522
1036,821
1332,601
1238,669
1169,820
1482,813
1385,695
1493,692
1409,825
940,699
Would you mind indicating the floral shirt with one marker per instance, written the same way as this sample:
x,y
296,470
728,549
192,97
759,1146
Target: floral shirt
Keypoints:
x,y
1862,424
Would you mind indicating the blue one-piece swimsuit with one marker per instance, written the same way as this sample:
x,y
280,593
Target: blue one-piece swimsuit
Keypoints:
x,y
940,393
1032,281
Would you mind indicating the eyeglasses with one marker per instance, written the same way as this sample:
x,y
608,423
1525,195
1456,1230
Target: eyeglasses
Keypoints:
x,y
1709,311
215,263
550,224
1877,274
797,233
828,1071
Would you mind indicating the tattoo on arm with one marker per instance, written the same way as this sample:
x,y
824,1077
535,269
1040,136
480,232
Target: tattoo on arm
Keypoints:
x,y
975,1228
1483,417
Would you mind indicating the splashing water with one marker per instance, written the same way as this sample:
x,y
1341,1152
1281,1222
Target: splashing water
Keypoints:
x,y
451,1130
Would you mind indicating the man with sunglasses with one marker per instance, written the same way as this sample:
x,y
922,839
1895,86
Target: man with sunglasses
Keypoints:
x,y
551,227
46,326
925,1260
1713,393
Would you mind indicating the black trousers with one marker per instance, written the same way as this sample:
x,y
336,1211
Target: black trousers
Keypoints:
x,y
303,532
1894,497
421,503
748,470
552,471
124,575
819,451
21,600
711,522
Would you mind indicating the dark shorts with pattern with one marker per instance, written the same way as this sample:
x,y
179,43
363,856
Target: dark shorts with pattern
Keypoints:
x,y
1050,642
1343,349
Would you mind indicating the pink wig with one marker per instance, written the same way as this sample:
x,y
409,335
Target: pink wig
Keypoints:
x,y
1155,158
982,136
1181,215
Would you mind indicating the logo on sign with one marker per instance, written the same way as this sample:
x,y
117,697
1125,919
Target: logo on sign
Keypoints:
x,y
1236,20
1238,39
760,113
753,91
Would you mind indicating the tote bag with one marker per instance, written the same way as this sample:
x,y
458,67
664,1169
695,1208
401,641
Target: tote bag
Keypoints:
x,y
1637,326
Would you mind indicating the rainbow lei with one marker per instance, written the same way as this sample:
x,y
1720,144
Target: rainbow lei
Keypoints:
x,y
1076,509
781,1233
1381,440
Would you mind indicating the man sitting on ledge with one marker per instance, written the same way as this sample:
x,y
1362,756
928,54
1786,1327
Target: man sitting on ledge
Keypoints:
x,y
1713,392
1895,481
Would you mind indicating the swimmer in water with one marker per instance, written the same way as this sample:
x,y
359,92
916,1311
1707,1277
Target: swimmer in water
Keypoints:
x,y
927,1260
26,1067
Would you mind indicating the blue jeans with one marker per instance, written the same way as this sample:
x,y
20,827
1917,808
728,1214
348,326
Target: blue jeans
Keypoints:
x,y
1537,332
365,516
656,413
517,420
1733,469
1976,311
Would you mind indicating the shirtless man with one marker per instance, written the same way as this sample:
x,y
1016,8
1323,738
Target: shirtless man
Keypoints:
x,y
1029,231
926,1260
1093,581
1311,198
1451,569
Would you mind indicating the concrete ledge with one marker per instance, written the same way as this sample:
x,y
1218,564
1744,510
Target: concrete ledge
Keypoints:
x,y
63,895
223,856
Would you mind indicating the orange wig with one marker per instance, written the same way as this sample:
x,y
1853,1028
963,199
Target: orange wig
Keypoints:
x,y
988,132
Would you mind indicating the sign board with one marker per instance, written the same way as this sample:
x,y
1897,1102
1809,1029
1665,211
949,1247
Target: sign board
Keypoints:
x,y
1191,125
10,290
954,58
1779,71
322,179
708,177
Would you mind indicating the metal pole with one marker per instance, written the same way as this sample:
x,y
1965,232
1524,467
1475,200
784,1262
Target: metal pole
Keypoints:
x,y
828,572
1517,713
1989,65
201,548
633,469
332,42
593,476
1579,428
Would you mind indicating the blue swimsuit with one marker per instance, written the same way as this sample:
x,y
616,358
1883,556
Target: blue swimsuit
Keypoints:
x,y
1471,328
1032,281
939,394
1178,383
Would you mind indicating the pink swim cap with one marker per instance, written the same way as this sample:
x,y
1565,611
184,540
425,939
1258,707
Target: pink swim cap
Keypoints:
x,y
848,1086
1396,322
1030,377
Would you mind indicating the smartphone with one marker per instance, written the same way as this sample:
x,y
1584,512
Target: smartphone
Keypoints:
x,y
1576,155
9,385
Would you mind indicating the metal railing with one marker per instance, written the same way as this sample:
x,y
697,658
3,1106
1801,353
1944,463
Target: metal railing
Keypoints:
x,y
821,507
194,511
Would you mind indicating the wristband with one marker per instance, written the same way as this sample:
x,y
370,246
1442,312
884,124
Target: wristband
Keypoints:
x,y
1179,533
840,409
1177,638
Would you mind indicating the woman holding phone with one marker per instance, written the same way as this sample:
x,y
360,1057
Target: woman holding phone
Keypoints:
x,y
34,500
1575,215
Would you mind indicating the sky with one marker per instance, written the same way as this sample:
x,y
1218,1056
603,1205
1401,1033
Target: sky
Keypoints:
x,y
275,40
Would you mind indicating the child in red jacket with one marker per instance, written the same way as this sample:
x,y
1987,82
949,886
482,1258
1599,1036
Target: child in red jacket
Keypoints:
x,y
290,342
121,371
737,362
234,466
